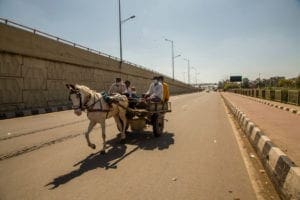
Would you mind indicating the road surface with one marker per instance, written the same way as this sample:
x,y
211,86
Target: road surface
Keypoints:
x,y
200,156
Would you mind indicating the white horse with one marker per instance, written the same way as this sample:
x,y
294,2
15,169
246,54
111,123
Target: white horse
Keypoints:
x,y
98,110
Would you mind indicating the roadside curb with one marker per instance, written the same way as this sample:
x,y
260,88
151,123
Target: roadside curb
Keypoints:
x,y
280,168
36,111
291,110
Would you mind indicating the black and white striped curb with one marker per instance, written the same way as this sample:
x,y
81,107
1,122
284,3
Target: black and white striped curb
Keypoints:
x,y
37,111
294,111
282,171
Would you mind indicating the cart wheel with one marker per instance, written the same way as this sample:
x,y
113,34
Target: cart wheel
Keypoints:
x,y
158,125
126,128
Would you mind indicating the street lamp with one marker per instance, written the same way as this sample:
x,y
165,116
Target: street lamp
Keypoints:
x,y
125,20
173,57
120,30
188,61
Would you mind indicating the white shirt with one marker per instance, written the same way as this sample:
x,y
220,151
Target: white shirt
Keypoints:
x,y
128,91
155,90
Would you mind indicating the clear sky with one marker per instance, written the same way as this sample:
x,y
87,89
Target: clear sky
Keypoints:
x,y
220,37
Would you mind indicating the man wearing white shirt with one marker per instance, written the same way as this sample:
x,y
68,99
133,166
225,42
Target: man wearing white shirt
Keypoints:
x,y
128,91
155,92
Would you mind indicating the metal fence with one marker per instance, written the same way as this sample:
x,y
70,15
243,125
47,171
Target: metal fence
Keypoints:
x,y
280,95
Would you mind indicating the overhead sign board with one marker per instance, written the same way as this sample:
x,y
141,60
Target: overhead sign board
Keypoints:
x,y
235,78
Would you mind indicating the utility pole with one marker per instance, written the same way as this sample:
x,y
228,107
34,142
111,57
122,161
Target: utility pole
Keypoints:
x,y
120,31
173,57
120,34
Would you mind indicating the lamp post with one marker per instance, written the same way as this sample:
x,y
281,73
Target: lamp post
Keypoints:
x,y
188,61
173,57
120,31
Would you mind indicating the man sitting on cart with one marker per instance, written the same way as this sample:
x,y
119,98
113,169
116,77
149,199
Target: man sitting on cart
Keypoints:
x,y
155,92
166,93
117,87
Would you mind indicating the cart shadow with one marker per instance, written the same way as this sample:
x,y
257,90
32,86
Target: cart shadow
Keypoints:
x,y
116,153
147,141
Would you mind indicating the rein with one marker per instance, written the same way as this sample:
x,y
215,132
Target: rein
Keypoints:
x,y
90,107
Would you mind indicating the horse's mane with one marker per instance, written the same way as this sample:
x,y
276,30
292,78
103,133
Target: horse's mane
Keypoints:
x,y
85,89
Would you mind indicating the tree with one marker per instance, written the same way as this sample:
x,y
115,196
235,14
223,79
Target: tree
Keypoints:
x,y
221,84
245,83
286,83
297,82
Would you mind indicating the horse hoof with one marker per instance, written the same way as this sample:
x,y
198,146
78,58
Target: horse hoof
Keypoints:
x,y
93,146
102,152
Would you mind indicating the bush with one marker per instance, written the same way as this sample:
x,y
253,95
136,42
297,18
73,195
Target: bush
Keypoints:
x,y
297,82
228,86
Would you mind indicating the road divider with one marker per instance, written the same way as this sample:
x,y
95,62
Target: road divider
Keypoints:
x,y
281,169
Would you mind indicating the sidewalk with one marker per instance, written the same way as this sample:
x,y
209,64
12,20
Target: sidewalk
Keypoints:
x,y
283,128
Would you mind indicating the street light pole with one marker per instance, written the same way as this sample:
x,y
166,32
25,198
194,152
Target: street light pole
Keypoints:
x,y
188,69
173,57
120,34
120,31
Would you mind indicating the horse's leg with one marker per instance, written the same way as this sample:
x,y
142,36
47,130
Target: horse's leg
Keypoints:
x,y
87,135
103,137
122,115
119,124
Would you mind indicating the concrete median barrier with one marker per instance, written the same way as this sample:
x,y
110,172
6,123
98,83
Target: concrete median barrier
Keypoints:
x,y
281,169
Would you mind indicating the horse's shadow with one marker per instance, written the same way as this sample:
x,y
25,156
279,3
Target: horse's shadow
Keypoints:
x,y
116,153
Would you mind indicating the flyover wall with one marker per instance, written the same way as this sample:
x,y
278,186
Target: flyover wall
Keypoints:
x,y
34,70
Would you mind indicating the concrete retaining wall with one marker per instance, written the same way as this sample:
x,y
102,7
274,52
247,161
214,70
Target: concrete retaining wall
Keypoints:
x,y
34,70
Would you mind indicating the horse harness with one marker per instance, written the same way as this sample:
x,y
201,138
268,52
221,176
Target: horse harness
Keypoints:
x,y
84,105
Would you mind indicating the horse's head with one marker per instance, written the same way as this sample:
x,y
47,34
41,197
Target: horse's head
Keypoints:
x,y
78,97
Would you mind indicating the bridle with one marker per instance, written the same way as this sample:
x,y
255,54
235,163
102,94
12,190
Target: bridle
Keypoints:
x,y
82,106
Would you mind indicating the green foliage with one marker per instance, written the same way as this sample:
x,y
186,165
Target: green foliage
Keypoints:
x,y
286,83
297,82
229,85
245,83
221,84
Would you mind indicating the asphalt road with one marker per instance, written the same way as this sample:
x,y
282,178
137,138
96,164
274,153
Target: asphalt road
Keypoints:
x,y
198,157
